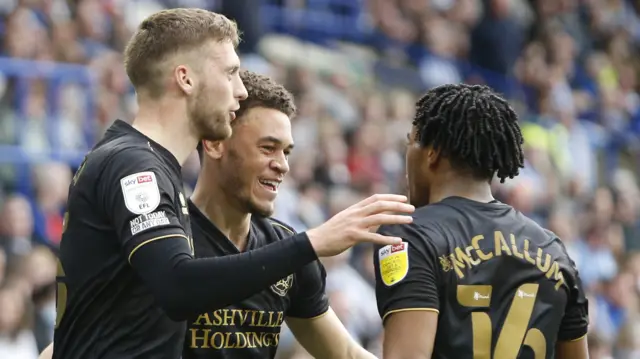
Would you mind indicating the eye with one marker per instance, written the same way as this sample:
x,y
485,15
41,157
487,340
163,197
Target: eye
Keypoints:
x,y
268,149
231,73
234,71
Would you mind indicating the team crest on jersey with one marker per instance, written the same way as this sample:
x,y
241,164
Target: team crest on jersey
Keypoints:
x,y
394,263
282,287
141,193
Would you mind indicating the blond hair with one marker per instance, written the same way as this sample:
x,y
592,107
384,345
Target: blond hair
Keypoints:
x,y
169,32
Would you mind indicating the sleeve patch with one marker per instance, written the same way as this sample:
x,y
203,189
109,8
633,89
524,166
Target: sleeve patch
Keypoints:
x,y
394,263
147,221
141,193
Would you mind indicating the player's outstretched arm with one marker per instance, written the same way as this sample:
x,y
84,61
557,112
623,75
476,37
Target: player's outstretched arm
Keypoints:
x,y
326,337
186,286
575,349
47,353
140,201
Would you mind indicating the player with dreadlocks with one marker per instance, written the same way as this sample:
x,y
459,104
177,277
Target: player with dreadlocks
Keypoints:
x,y
473,278
471,124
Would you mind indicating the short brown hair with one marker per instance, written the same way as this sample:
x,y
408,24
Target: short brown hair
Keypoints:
x,y
168,32
264,92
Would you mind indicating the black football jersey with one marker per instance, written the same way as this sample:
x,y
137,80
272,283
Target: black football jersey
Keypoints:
x,y
501,283
127,192
251,328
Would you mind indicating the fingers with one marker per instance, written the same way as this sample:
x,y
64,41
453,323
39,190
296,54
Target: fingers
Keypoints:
x,y
380,197
382,219
376,238
387,206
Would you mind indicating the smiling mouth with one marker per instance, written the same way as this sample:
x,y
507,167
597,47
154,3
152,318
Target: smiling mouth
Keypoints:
x,y
270,184
232,115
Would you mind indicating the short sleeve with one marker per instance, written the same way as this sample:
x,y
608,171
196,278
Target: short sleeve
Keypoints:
x,y
308,295
309,298
406,273
575,321
139,199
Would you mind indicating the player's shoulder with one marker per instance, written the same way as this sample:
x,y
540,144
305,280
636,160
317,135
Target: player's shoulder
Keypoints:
x,y
128,160
281,228
126,150
434,213
111,159
555,246
455,209
116,149
271,229
415,237
540,236
425,226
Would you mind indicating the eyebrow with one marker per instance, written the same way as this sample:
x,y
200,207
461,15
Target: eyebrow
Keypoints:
x,y
274,140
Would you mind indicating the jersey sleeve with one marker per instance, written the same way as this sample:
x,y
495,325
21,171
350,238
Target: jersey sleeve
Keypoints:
x,y
575,321
406,273
138,198
309,298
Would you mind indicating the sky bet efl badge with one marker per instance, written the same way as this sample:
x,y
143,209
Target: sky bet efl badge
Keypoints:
x,y
394,263
141,192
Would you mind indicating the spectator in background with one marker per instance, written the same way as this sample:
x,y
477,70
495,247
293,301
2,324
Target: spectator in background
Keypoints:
x,y
498,38
39,269
16,338
52,181
16,230
248,19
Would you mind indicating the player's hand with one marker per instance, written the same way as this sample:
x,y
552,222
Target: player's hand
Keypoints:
x,y
357,223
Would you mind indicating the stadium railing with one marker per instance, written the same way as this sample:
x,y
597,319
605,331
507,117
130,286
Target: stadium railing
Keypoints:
x,y
322,21
325,20
18,74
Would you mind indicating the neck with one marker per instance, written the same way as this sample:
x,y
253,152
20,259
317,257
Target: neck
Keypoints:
x,y
166,123
215,204
455,185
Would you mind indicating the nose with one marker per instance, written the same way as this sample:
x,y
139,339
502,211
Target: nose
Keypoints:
x,y
241,92
281,165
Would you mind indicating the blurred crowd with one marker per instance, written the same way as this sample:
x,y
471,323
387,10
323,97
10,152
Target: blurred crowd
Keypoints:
x,y
568,67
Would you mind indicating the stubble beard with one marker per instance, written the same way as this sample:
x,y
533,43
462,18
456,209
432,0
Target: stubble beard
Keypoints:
x,y
207,122
244,198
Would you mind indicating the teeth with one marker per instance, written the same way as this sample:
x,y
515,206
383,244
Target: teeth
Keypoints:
x,y
273,184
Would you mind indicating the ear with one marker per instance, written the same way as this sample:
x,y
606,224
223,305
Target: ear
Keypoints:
x,y
183,75
433,156
213,149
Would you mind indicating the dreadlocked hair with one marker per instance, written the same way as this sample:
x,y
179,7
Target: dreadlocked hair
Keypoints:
x,y
473,127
